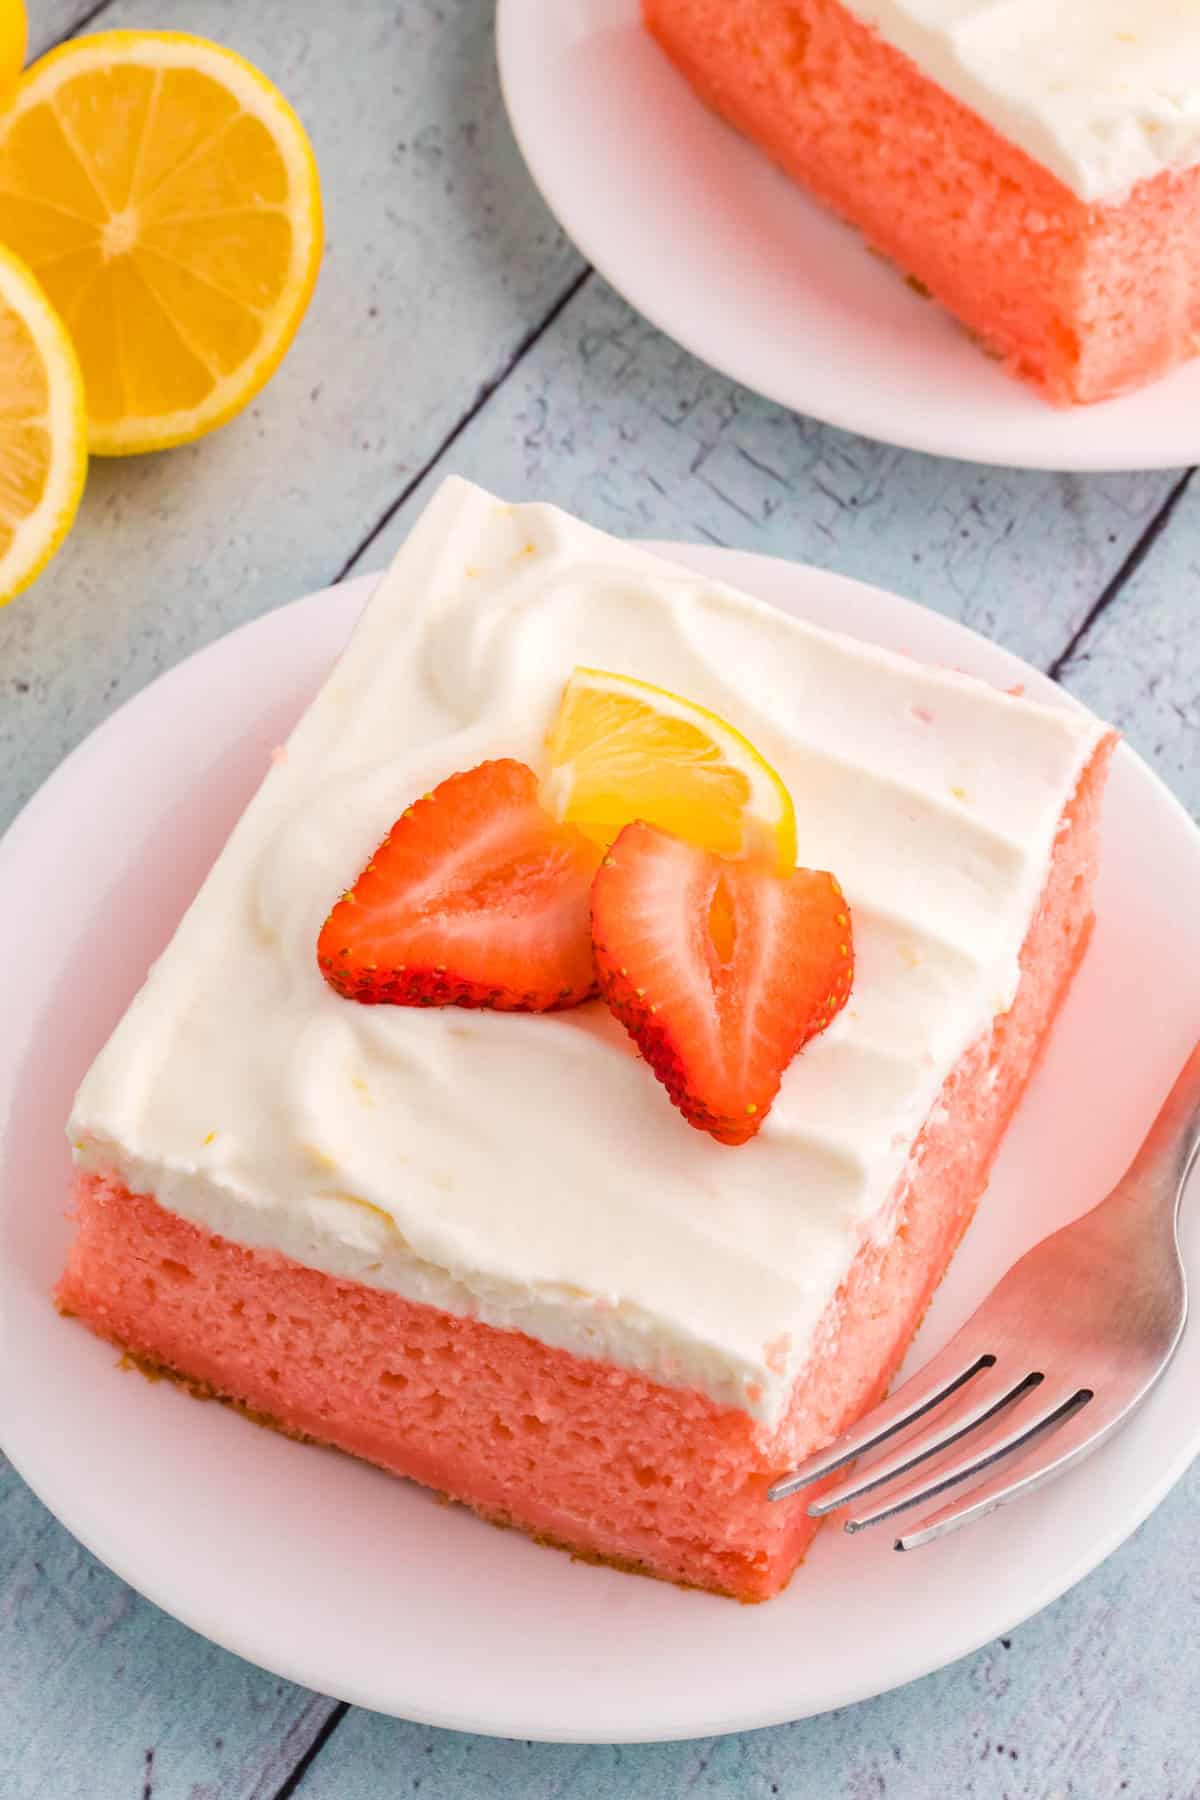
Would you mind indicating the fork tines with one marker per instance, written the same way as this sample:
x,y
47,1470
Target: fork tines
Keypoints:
x,y
987,1405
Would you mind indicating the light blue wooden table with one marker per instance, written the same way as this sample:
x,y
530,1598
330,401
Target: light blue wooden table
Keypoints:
x,y
454,329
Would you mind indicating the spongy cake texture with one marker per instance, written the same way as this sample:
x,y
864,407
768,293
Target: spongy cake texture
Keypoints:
x,y
1084,299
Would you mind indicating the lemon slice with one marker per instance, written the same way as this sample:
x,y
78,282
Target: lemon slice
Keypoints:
x,y
43,429
621,750
165,194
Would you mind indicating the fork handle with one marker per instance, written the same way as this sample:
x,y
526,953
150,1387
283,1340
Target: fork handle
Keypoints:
x,y
1158,1173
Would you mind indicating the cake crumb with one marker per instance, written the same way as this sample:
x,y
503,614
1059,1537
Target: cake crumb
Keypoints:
x,y
128,1364
775,1354
960,793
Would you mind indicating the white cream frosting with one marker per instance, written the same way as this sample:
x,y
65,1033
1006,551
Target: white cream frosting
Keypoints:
x,y
529,1171
1103,93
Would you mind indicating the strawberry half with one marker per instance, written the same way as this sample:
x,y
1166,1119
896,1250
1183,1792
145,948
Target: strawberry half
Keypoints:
x,y
720,971
476,897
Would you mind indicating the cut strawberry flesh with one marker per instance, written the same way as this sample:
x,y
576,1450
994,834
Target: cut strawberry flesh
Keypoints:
x,y
477,897
721,971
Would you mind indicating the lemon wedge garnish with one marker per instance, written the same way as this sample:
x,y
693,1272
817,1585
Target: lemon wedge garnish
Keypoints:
x,y
621,749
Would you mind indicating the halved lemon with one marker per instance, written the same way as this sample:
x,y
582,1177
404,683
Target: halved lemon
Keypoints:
x,y
621,750
43,428
165,194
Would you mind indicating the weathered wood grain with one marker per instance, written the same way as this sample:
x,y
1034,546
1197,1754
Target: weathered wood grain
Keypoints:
x,y
50,20
1139,664
440,260
612,420
102,1697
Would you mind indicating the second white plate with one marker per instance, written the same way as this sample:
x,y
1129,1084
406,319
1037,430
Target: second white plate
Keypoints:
x,y
704,236
339,1577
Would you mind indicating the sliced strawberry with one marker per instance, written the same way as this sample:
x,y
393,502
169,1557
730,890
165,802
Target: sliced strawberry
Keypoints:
x,y
720,971
476,897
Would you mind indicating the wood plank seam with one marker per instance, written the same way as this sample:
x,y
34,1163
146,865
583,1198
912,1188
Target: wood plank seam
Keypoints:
x,y
291,1783
1132,562
486,391
81,23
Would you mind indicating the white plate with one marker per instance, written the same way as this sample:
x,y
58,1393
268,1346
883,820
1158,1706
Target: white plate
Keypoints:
x,y
713,244
343,1579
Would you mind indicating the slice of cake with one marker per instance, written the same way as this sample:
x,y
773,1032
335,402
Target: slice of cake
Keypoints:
x,y
1035,167
480,1247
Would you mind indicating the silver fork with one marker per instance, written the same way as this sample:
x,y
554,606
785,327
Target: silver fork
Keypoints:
x,y
1058,1356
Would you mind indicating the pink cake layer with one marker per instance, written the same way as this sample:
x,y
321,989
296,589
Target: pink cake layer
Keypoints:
x,y
579,1453
1084,300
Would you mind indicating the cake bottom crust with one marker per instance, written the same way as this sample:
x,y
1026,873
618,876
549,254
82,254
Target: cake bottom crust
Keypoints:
x,y
581,1454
